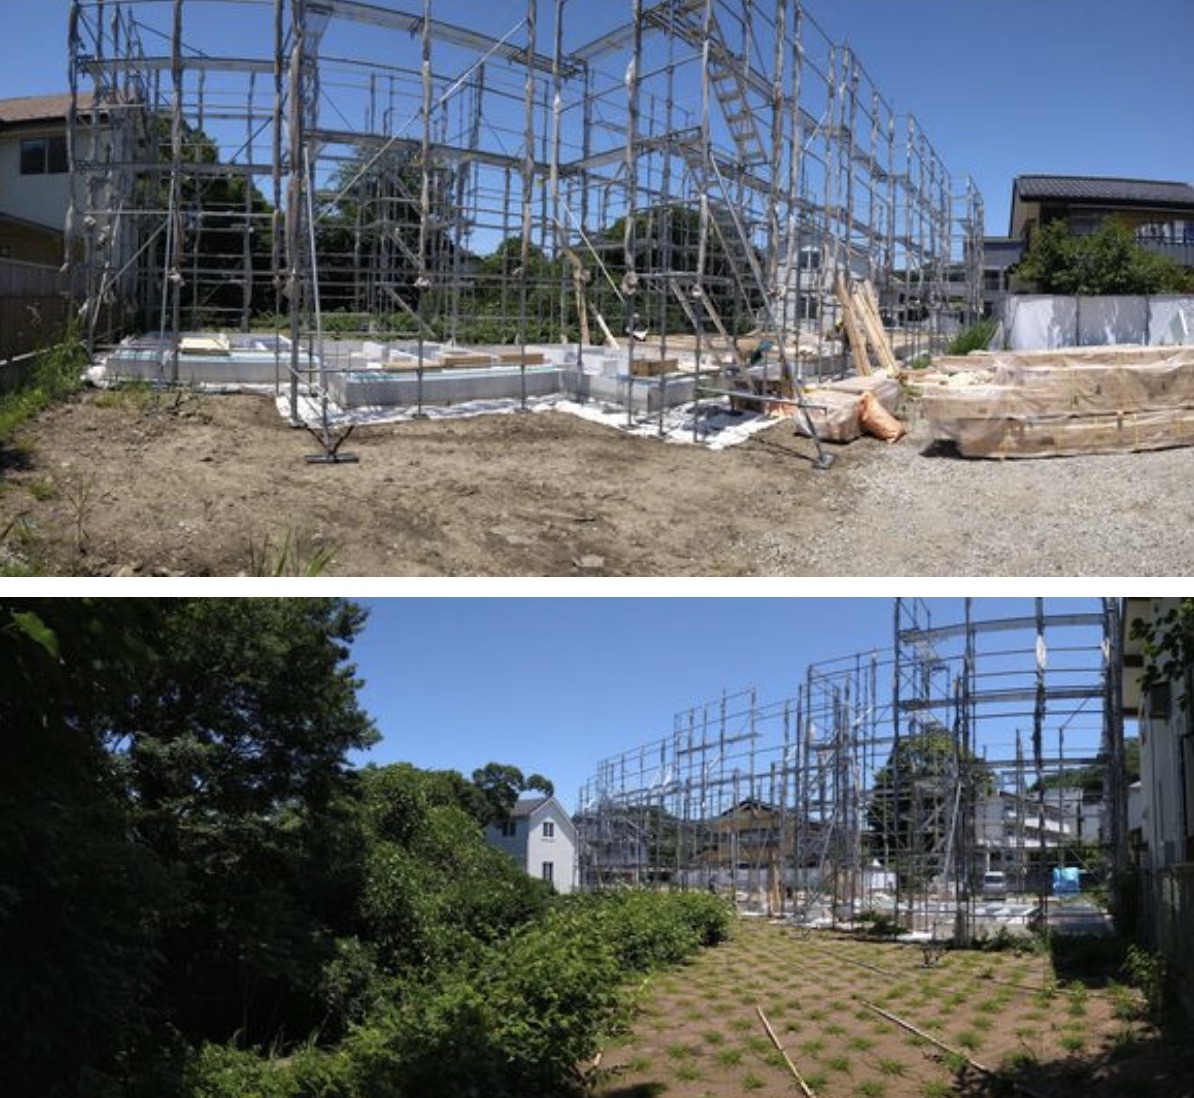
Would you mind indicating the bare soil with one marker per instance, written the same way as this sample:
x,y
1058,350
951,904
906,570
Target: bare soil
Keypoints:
x,y
217,485
698,1032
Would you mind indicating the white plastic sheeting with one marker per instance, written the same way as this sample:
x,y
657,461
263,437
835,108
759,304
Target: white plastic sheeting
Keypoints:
x,y
1040,322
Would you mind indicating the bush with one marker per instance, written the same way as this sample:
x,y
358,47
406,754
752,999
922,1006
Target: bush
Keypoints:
x,y
57,372
975,338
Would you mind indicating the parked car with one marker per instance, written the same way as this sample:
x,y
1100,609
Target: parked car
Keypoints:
x,y
995,885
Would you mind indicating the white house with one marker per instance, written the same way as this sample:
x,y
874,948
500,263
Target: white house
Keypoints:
x,y
540,837
1164,839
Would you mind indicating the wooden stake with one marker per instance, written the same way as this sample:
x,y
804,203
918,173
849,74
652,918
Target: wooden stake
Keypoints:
x,y
868,311
983,1069
808,1091
857,343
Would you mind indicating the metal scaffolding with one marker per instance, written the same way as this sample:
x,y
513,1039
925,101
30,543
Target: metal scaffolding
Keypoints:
x,y
890,781
695,169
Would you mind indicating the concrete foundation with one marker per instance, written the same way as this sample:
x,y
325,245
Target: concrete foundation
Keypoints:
x,y
371,374
202,359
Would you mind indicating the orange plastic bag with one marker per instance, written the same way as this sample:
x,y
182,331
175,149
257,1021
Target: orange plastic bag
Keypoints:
x,y
877,420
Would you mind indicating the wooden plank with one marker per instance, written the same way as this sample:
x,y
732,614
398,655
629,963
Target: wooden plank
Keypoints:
x,y
857,343
868,309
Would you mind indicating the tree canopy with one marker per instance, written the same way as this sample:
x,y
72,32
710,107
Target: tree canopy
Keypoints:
x,y
914,798
201,898
1107,261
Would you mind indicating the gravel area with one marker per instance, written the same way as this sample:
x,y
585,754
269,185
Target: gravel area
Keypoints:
x,y
918,509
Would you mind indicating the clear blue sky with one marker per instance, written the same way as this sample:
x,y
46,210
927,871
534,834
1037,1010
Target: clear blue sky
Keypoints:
x,y
554,685
1002,87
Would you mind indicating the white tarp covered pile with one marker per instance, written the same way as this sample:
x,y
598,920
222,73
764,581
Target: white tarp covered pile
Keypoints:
x,y
1065,402
1032,322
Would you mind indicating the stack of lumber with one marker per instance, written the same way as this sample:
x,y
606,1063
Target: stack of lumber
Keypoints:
x,y
1097,400
864,328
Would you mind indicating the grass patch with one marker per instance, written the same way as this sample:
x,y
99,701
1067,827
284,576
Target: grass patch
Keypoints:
x,y
729,1057
56,374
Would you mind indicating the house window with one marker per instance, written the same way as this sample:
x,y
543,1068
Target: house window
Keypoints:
x,y
549,872
509,828
43,156
549,829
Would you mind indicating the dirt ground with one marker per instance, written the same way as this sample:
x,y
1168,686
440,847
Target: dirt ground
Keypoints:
x,y
698,1032
123,483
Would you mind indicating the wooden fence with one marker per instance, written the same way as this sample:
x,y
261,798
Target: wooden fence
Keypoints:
x,y
35,303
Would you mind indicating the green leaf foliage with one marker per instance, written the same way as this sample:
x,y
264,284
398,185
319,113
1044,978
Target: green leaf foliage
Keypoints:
x,y
199,898
1107,261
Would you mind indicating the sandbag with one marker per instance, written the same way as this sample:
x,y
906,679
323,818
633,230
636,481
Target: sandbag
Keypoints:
x,y
877,420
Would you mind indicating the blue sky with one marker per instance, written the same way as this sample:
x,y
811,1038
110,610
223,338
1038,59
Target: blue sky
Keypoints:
x,y
1002,87
555,685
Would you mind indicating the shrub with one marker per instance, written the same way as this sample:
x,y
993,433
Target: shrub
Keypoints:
x,y
57,372
975,338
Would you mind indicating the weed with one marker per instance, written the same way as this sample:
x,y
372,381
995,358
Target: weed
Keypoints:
x,y
817,1081
889,1066
687,1072
295,556
956,1062
840,1064
834,1029
56,374
757,1044
713,1037
729,1057
969,1040
741,1024
1148,972
678,1052
1018,1060
639,1064
871,1088
812,1047
862,1044
750,1081
934,1088
1073,1042
42,490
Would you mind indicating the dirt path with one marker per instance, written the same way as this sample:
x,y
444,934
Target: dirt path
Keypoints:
x,y
217,485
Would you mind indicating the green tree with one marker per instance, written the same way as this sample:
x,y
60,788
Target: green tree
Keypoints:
x,y
235,746
1107,261
500,786
77,890
913,798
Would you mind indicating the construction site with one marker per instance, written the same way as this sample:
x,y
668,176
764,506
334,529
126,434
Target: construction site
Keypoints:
x,y
959,782
644,206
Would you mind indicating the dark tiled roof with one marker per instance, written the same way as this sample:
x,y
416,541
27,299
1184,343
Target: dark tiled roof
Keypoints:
x,y
1077,188
38,108
525,808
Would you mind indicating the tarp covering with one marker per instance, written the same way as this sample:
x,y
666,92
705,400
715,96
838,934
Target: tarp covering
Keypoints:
x,y
1032,322
835,407
1077,401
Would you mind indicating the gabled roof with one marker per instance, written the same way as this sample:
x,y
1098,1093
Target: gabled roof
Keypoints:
x,y
1077,188
528,807
39,108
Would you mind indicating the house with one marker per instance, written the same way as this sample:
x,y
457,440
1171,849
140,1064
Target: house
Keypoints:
x,y
1025,836
35,185
1159,214
1163,825
35,199
541,838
